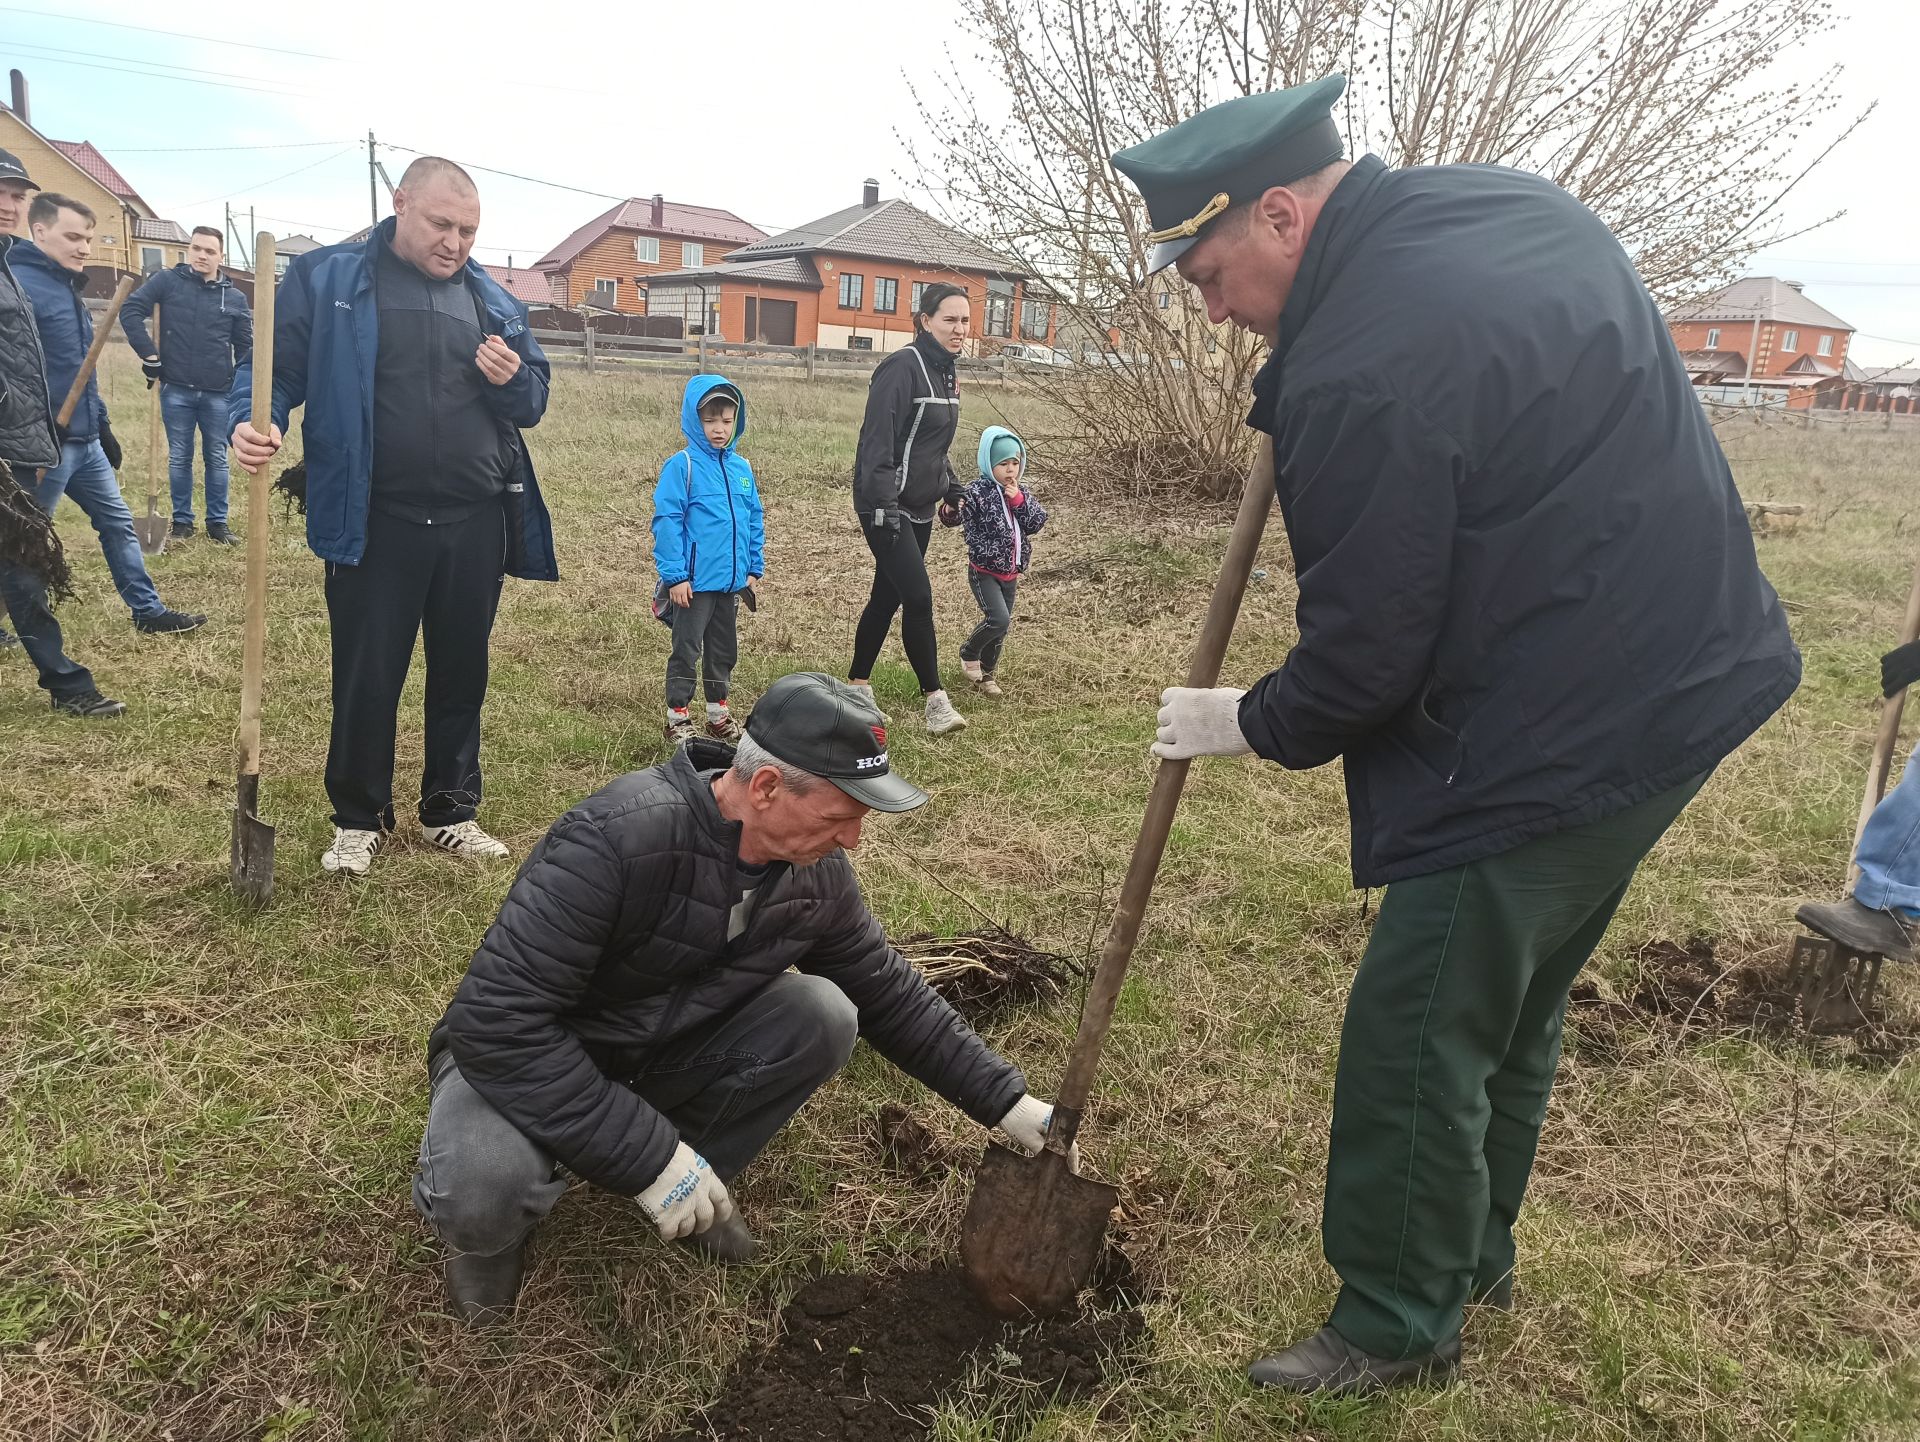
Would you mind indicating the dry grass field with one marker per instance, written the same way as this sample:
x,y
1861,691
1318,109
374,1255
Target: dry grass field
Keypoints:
x,y
210,1115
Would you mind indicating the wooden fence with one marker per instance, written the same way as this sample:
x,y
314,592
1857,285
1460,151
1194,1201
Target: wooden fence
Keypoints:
x,y
698,355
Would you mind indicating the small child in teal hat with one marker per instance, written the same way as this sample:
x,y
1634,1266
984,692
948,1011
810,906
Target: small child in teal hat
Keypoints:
x,y
999,515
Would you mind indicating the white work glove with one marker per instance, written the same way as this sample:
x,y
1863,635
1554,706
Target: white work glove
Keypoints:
x,y
687,1197
1026,1127
1195,722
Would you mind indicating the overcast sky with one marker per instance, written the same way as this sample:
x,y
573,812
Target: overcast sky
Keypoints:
x,y
773,111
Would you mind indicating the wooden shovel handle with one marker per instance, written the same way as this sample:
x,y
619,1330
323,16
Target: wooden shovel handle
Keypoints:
x,y
101,332
154,427
253,658
1096,1016
1889,735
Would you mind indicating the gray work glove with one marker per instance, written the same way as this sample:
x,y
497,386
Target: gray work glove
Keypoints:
x,y
1026,1127
686,1198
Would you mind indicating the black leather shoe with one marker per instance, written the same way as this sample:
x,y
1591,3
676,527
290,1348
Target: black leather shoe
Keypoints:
x,y
729,1243
482,1290
218,533
88,703
182,531
1858,927
1327,1362
1497,1294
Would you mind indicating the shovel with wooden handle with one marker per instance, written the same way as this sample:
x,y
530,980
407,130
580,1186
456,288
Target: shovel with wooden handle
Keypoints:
x,y
1033,1231
153,528
252,849
71,403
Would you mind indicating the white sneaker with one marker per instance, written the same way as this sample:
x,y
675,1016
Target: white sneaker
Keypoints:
x,y
971,670
941,717
352,852
466,839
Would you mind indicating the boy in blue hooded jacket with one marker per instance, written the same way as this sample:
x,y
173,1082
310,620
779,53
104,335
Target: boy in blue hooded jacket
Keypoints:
x,y
709,547
999,514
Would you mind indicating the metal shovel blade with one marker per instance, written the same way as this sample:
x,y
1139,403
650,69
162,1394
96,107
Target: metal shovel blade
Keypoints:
x,y
152,529
1033,1231
251,854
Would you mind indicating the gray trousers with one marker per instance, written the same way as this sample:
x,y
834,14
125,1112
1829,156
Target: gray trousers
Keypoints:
x,y
482,1185
703,631
996,607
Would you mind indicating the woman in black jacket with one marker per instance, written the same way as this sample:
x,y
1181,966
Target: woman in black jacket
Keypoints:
x,y
901,474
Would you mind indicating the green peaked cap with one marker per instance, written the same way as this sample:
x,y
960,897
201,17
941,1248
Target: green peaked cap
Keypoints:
x,y
1228,154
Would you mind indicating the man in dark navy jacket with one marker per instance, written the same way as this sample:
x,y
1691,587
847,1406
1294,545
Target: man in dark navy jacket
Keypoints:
x,y
418,374
1531,624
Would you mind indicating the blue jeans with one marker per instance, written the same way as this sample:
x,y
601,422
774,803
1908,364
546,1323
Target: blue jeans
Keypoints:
x,y
186,411
1890,849
84,476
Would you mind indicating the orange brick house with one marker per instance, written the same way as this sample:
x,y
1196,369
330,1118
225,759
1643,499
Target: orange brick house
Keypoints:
x,y
850,280
611,258
1789,339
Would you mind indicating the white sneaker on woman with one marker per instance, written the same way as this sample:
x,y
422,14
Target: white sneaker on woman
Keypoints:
x,y
941,717
352,852
467,839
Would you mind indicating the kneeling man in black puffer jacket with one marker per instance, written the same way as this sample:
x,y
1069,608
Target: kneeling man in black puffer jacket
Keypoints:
x,y
680,964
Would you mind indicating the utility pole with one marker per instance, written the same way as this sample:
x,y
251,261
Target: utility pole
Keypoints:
x,y
373,181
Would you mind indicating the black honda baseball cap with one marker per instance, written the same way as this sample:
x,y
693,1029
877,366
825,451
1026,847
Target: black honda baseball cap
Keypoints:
x,y
12,169
832,730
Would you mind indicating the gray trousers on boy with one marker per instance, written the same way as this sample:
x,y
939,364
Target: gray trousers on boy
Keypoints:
x,y
703,631
996,606
482,1185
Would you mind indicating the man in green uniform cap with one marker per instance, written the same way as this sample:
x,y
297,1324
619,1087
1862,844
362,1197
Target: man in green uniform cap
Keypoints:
x,y
1531,624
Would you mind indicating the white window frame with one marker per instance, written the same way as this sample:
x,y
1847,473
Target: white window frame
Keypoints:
x,y
602,284
1713,338
1826,345
646,249
159,255
1790,341
693,255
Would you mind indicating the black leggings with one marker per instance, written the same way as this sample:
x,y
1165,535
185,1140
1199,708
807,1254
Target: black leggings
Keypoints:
x,y
899,584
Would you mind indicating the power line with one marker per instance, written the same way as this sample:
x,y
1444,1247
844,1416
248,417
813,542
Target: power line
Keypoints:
x,y
178,79
263,184
512,174
136,60
204,149
172,34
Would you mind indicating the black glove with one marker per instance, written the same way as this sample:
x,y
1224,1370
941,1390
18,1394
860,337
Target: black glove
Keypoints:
x,y
110,444
888,519
956,493
1899,668
151,370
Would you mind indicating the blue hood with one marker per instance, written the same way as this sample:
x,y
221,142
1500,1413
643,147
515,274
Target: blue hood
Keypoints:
x,y
698,389
988,437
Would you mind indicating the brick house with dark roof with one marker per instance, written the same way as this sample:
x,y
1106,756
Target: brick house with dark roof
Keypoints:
x,y
1791,339
851,280
612,258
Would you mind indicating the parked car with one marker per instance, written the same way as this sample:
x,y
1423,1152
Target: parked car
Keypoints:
x,y
1033,355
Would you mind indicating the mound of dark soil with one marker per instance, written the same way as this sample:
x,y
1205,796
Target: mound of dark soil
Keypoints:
x,y
1691,993
868,1359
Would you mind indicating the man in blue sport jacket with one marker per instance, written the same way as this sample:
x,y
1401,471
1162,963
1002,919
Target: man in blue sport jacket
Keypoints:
x,y
418,374
206,328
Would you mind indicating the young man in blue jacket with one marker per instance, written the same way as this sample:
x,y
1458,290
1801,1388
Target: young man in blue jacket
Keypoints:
x,y
1531,625
51,268
206,329
709,548
418,374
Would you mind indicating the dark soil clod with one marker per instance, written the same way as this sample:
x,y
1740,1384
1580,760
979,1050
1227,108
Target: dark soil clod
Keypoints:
x,y
985,974
908,1148
869,1359
1688,992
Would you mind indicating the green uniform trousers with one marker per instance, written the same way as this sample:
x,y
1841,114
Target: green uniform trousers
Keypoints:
x,y
1447,1056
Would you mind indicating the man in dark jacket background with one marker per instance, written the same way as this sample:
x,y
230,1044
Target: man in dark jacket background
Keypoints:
x,y
206,329
418,374
632,1016
31,563
1531,624
51,268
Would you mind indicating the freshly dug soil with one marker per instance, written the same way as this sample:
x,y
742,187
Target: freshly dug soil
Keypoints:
x,y
1688,992
868,1359
985,974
